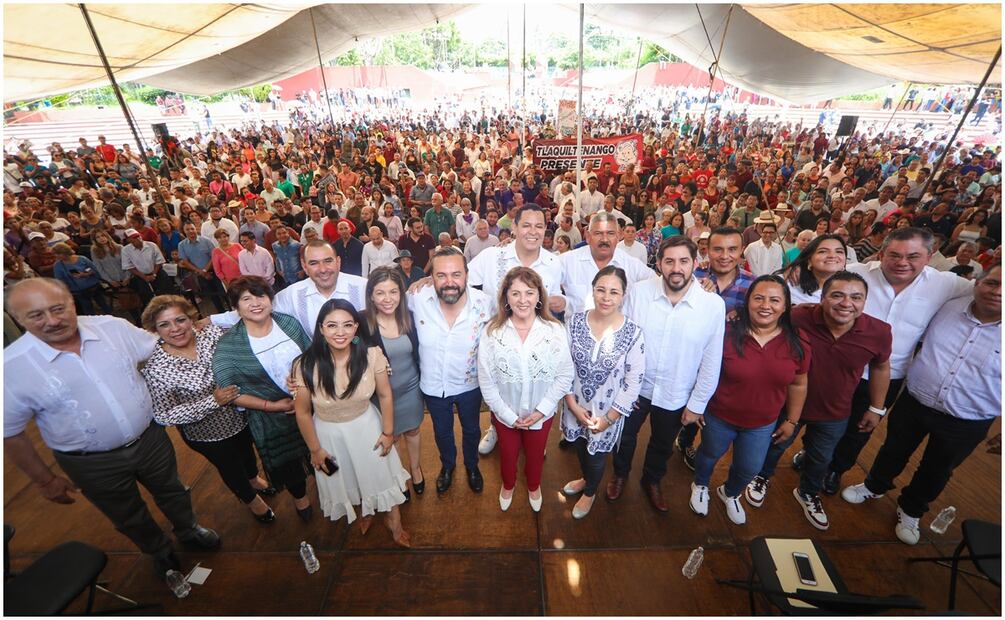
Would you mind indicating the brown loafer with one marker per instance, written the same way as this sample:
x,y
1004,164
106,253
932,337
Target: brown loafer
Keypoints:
x,y
614,488
655,495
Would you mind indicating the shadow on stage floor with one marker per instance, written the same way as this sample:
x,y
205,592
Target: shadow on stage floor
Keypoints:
x,y
470,558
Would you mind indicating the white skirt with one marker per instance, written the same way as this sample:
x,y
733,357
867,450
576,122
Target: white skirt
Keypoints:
x,y
364,478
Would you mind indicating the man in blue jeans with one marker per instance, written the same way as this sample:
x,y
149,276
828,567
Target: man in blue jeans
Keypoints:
x,y
843,341
449,317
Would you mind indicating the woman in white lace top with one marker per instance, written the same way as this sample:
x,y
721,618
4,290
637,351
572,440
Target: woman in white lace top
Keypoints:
x,y
524,369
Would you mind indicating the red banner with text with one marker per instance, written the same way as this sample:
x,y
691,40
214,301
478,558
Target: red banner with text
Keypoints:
x,y
619,151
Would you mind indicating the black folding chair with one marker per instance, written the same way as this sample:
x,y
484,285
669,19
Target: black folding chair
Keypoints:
x,y
983,542
764,580
55,580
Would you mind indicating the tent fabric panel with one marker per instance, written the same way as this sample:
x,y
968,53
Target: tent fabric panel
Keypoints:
x,y
48,49
289,48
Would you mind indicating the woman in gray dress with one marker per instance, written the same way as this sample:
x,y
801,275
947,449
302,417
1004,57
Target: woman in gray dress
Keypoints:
x,y
390,321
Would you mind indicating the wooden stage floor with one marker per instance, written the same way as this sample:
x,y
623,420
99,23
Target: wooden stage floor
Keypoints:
x,y
469,558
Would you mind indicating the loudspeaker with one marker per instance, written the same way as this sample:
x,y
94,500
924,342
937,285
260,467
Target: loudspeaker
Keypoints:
x,y
847,125
160,130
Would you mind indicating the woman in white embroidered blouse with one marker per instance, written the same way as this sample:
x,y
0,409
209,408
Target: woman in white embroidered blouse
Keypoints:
x,y
608,353
524,369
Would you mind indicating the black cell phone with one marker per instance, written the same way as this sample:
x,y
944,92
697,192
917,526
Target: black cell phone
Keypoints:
x,y
329,466
804,569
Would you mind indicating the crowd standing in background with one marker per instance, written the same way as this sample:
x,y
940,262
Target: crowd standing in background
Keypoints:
x,y
743,281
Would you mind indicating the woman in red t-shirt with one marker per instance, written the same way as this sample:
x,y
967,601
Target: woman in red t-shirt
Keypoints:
x,y
764,364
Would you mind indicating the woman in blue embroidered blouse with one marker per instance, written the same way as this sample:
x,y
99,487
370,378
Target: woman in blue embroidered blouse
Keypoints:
x,y
608,353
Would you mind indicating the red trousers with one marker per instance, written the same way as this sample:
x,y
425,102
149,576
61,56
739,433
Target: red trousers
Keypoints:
x,y
533,444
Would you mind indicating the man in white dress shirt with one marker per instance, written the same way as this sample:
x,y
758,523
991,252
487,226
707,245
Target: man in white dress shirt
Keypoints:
x,y
449,317
216,220
953,397
377,252
592,200
683,326
580,265
631,246
78,379
905,292
765,255
492,264
304,299
144,260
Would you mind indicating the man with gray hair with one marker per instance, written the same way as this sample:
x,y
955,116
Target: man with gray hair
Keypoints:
x,y
580,265
437,219
480,241
77,378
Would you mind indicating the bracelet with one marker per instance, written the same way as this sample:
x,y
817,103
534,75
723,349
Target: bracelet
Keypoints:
x,y
383,434
265,405
877,411
609,423
791,422
47,482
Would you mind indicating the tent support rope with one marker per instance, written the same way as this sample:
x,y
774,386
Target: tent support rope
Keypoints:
x,y
118,92
714,69
963,119
896,108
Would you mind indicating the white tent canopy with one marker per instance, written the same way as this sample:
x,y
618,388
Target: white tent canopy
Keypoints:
x,y
795,52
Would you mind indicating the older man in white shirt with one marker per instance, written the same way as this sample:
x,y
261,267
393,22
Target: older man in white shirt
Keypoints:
x,y
77,378
580,265
683,326
377,252
906,293
953,397
449,318
480,241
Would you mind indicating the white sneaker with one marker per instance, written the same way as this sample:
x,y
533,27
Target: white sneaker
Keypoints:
x,y
858,493
907,530
756,491
488,442
699,500
734,509
813,508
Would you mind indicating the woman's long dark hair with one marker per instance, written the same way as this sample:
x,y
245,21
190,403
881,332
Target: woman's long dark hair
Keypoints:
x,y
318,356
808,281
741,327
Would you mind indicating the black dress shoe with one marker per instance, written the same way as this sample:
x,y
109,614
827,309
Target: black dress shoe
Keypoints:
x,y
267,517
408,496
564,444
305,514
420,487
832,482
475,480
201,537
444,480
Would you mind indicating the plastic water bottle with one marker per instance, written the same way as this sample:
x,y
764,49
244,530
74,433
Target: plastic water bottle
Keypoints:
x,y
944,520
310,560
693,563
178,584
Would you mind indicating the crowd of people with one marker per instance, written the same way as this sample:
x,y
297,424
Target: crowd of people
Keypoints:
x,y
742,282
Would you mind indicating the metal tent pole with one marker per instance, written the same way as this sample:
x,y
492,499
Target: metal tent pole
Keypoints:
x,y
970,106
118,91
321,66
579,110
